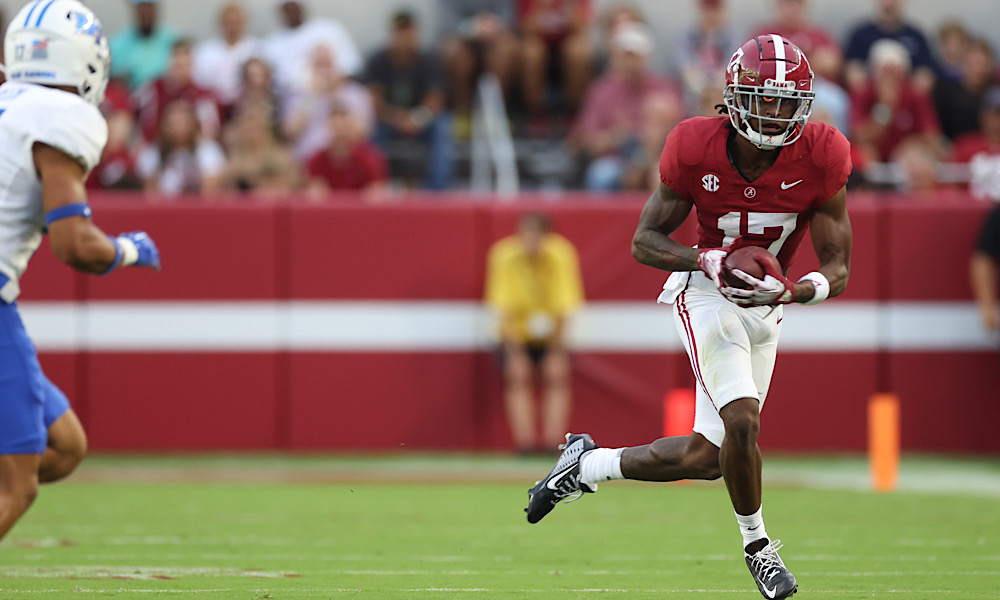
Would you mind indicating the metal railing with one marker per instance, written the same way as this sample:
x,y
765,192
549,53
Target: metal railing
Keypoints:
x,y
494,161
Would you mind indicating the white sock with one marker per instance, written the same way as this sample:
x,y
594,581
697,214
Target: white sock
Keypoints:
x,y
601,464
752,526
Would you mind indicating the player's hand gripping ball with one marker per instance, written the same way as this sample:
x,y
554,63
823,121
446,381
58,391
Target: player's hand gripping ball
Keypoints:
x,y
752,260
710,260
766,286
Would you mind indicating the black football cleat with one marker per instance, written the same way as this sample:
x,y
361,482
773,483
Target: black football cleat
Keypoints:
x,y
563,482
773,579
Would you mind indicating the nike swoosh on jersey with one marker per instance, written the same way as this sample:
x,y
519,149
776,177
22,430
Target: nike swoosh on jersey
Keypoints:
x,y
785,186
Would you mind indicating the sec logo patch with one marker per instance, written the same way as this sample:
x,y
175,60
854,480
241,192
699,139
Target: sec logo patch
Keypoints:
x,y
710,182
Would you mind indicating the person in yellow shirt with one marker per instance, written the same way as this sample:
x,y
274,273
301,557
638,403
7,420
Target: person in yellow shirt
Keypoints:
x,y
533,283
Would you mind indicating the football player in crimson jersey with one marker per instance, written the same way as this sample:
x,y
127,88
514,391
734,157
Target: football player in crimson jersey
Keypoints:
x,y
759,176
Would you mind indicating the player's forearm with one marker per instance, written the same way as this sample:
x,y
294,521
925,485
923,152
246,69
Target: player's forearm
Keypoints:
x,y
655,249
82,246
983,274
837,274
833,241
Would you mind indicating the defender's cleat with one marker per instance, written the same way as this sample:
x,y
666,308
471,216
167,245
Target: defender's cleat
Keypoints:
x,y
772,577
563,482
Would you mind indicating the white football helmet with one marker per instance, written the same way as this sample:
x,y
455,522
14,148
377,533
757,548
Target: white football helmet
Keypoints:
x,y
58,42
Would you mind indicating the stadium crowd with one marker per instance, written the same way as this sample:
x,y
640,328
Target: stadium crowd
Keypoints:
x,y
921,109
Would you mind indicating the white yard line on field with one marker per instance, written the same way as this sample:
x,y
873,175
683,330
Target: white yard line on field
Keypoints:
x,y
121,592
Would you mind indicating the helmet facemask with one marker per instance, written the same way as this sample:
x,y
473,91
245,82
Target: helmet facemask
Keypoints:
x,y
752,108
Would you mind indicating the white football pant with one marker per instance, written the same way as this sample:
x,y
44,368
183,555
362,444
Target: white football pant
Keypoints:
x,y
732,349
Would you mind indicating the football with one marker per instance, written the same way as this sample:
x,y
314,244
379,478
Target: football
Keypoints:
x,y
750,260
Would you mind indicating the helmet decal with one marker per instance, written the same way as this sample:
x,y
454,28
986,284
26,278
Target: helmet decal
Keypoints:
x,y
87,24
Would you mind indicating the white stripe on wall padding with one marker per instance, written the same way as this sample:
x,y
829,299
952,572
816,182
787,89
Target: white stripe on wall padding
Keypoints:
x,y
422,326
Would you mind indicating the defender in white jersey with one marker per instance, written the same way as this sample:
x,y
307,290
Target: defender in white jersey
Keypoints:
x,y
51,136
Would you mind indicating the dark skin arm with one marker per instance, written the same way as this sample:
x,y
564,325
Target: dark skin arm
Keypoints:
x,y
983,275
652,245
832,239
75,241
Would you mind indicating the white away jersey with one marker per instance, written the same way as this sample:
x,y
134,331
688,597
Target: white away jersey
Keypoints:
x,y
32,113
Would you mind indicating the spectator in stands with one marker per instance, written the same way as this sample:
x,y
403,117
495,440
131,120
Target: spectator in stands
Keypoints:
x,y
290,50
177,83
825,57
257,88
704,51
660,114
533,284
889,22
710,100
350,162
117,167
915,164
958,101
859,160
984,272
617,14
610,120
953,41
258,164
555,47
613,17
218,61
407,87
142,52
980,150
181,161
477,37
792,23
889,109
307,111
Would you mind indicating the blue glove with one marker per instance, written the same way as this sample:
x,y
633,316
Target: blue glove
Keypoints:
x,y
147,254
134,248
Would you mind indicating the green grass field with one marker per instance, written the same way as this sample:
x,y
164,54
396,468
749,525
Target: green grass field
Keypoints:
x,y
451,527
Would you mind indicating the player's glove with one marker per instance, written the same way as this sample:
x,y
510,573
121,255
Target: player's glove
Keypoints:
x,y
775,288
710,260
134,248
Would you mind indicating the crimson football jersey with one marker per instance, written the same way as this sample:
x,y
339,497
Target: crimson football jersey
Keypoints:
x,y
774,210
